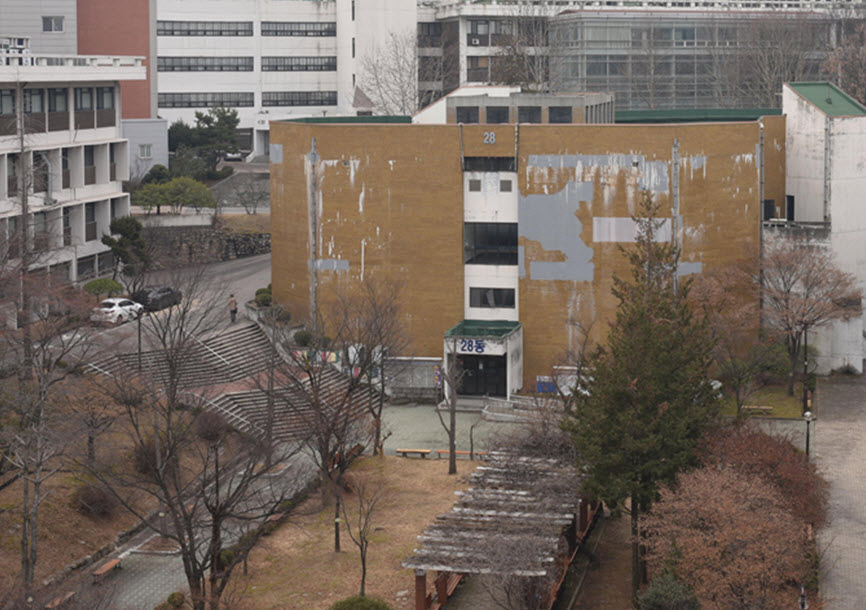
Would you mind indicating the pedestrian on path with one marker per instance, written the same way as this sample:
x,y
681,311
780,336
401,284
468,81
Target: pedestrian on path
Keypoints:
x,y
233,307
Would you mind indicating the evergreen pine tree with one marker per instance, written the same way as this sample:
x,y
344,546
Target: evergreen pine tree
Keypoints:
x,y
650,399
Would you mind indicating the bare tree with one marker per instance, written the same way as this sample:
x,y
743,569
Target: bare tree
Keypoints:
x,y
802,289
94,412
451,375
327,403
249,190
204,474
391,72
772,51
846,64
529,55
373,315
370,493
743,351
45,352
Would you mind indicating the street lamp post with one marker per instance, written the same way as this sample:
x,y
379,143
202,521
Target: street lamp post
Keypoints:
x,y
805,372
808,417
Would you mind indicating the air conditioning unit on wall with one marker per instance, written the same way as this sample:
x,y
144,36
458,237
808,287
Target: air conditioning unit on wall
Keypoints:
x,y
475,42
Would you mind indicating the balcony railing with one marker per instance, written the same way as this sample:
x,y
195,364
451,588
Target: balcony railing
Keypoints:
x,y
58,121
12,186
84,119
112,171
90,174
65,174
89,231
105,118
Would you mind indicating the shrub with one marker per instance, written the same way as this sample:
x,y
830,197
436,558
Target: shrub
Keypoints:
x,y
360,603
263,291
846,369
303,338
219,174
263,299
778,462
667,593
94,500
102,285
176,599
210,427
281,314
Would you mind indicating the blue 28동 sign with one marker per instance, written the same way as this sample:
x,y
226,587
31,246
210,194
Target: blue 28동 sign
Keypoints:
x,y
473,346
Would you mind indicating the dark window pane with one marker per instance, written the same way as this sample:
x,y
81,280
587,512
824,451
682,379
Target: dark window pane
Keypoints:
x,y
559,114
529,114
467,114
497,114
491,297
490,243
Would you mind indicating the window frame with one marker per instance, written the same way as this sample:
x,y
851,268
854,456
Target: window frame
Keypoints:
x,y
52,21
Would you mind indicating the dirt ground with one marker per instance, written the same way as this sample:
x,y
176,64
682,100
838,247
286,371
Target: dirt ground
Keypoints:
x,y
248,223
296,567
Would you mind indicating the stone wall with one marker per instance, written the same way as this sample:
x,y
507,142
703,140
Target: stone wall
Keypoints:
x,y
197,245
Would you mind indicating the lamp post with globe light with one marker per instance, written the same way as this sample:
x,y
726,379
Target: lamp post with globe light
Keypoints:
x,y
808,417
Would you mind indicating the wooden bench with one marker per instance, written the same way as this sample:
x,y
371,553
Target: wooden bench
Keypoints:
x,y
105,569
758,408
479,454
420,452
61,601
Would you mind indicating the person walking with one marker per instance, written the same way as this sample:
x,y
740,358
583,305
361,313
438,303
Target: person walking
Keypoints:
x,y
233,307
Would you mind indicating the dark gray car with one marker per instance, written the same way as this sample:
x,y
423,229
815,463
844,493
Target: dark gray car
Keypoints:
x,y
155,298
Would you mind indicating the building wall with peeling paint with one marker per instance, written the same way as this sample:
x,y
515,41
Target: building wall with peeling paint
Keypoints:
x,y
390,203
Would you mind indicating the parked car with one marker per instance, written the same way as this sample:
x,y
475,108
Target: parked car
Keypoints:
x,y
116,310
154,298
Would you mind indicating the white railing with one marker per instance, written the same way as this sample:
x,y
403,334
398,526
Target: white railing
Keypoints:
x,y
99,61
507,7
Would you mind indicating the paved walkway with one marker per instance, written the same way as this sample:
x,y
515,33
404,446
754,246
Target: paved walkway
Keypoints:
x,y
839,444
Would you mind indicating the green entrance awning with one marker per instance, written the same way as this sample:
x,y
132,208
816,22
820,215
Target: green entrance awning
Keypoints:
x,y
483,328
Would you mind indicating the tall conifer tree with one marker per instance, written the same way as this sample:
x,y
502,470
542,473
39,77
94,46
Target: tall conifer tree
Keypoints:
x,y
650,399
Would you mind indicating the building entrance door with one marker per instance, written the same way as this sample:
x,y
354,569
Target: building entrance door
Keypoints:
x,y
483,375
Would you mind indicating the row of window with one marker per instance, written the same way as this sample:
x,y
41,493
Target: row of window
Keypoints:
x,y
525,114
204,64
232,99
299,98
57,99
475,186
240,99
245,28
245,64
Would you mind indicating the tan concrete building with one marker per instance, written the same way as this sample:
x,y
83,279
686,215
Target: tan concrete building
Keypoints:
x,y
507,234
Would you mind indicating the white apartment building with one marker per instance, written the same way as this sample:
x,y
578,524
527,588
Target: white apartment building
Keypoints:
x,y
75,152
269,59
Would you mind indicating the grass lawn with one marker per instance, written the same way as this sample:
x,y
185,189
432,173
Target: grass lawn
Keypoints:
x,y
296,567
248,223
772,396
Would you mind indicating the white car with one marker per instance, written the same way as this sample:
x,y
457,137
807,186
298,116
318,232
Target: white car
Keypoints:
x,y
116,310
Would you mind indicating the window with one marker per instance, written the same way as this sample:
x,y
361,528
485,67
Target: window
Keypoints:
x,y
236,99
467,114
88,156
502,27
144,151
433,28
204,64
529,114
479,27
105,98
559,114
475,185
489,164
204,28
505,186
7,101
353,46
497,114
299,64
299,28
491,297
299,98
490,243
90,221
57,100
33,99
83,98
52,24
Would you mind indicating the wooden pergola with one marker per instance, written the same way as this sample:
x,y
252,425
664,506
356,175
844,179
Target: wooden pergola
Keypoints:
x,y
521,516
